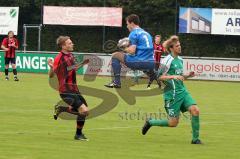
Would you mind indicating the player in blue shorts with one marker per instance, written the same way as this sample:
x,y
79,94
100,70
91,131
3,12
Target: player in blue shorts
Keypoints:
x,y
137,56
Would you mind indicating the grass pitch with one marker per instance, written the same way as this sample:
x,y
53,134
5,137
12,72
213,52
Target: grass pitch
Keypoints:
x,y
28,131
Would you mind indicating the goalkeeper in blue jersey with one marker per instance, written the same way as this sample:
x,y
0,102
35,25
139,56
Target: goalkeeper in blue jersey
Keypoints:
x,y
137,56
177,98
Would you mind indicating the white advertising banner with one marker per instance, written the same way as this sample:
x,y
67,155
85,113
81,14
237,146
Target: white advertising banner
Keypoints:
x,y
226,21
9,20
88,16
205,69
209,21
101,65
223,70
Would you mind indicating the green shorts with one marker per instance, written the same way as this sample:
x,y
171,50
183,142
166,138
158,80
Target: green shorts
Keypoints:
x,y
180,103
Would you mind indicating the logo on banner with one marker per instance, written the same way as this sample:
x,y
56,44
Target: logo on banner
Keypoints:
x,y
13,13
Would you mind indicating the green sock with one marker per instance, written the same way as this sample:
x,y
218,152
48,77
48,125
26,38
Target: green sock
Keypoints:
x,y
195,127
163,123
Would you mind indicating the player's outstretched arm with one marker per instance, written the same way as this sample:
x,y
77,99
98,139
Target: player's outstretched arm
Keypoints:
x,y
79,65
191,74
51,72
169,77
4,48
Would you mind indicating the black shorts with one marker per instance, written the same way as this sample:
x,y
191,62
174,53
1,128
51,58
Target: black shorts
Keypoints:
x,y
75,100
10,60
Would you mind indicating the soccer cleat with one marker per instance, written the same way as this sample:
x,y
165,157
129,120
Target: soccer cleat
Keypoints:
x,y
55,117
7,78
81,137
58,110
196,142
16,79
159,83
112,85
148,87
146,127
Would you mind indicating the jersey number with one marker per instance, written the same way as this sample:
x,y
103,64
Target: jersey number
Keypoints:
x,y
147,41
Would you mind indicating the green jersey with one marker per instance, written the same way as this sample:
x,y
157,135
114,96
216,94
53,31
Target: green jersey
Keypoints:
x,y
173,66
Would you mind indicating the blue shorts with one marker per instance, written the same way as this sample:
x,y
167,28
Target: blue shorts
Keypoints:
x,y
139,65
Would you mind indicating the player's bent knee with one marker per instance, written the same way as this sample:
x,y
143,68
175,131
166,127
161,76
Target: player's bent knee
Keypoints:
x,y
173,123
83,109
85,112
116,55
119,56
194,110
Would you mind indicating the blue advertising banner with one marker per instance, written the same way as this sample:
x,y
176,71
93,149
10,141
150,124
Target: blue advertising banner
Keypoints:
x,y
195,20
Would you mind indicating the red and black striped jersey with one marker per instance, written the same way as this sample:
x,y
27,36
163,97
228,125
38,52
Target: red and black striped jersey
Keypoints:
x,y
10,43
158,48
66,77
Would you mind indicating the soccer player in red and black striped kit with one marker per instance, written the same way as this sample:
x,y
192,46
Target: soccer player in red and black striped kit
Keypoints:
x,y
9,45
158,51
65,70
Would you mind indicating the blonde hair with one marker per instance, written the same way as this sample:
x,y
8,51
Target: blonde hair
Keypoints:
x,y
170,42
61,40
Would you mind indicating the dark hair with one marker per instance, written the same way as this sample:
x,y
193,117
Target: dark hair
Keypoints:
x,y
133,18
61,40
158,36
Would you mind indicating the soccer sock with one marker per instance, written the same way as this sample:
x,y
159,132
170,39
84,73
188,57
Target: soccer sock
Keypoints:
x,y
149,83
135,79
157,66
116,70
6,72
163,123
136,76
195,127
152,76
80,124
15,72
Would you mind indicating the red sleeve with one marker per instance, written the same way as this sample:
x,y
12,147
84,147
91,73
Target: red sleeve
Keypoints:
x,y
16,42
4,42
56,63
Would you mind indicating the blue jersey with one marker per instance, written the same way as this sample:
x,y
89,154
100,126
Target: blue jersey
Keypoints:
x,y
144,45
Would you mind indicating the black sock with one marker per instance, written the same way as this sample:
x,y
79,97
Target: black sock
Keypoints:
x,y
80,124
6,72
15,72
149,84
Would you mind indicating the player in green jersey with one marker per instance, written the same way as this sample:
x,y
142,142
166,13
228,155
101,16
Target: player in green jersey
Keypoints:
x,y
177,98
